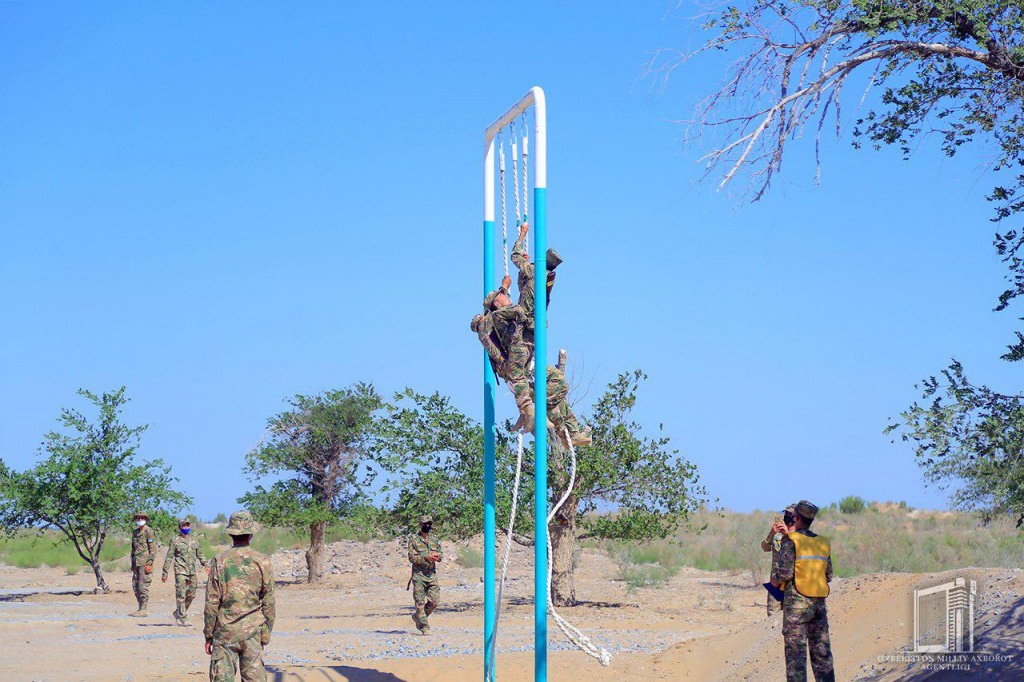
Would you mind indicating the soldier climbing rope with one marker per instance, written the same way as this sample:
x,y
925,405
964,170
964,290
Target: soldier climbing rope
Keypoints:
x,y
542,543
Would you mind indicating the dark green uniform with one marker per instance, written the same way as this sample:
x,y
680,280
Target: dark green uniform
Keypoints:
x,y
426,592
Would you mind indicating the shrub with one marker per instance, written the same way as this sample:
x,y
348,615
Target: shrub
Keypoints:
x,y
470,558
851,504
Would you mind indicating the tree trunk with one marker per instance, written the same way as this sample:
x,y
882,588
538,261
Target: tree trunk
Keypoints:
x,y
98,572
563,531
315,553
563,545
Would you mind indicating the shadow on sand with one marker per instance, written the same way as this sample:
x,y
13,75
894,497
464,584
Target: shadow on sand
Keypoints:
x,y
331,673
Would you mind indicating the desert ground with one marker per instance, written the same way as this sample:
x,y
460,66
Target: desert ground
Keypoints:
x,y
700,625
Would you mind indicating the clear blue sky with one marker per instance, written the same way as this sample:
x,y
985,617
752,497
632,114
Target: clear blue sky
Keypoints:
x,y
222,204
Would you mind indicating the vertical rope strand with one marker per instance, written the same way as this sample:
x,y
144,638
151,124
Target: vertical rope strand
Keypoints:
x,y
515,175
526,153
504,219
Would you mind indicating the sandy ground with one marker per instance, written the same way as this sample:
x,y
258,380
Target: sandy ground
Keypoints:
x,y
701,626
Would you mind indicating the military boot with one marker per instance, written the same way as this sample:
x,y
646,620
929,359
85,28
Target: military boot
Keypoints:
x,y
582,437
527,416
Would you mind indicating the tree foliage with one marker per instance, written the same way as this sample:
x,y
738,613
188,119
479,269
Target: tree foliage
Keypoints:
x,y
945,70
314,453
89,481
628,485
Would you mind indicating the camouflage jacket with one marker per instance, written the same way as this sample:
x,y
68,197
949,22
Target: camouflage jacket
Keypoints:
x,y
786,564
773,543
527,287
509,324
239,596
183,553
143,547
423,569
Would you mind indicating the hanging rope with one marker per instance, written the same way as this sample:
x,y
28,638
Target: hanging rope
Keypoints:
x,y
504,220
526,153
572,633
515,176
508,552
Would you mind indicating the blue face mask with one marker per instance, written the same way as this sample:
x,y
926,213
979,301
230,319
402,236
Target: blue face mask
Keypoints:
x,y
185,531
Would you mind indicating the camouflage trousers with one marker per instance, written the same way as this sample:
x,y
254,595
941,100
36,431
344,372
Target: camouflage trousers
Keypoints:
x,y
140,585
805,627
426,596
560,414
517,374
774,606
230,657
184,591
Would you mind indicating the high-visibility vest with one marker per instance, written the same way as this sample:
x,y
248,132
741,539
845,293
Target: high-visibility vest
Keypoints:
x,y
812,555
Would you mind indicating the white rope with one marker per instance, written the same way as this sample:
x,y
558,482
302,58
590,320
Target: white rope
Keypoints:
x,y
572,633
515,176
508,552
504,220
526,153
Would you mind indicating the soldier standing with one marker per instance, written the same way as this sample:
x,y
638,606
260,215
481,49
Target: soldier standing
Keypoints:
x,y
143,555
804,572
240,608
424,553
183,553
773,543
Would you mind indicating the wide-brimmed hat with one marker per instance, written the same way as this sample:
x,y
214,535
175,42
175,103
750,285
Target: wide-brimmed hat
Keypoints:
x,y
141,515
183,522
241,523
426,518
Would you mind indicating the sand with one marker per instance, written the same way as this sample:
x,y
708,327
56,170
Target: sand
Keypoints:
x,y
700,625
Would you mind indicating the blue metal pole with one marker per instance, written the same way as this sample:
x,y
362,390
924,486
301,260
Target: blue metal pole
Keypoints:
x,y
540,609
489,523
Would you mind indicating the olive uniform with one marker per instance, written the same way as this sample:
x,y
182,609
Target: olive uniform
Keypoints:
x,y
240,607
143,556
426,592
183,553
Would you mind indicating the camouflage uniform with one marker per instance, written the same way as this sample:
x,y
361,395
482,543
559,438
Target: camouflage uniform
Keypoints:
x,y
426,593
527,290
240,608
143,556
804,621
773,543
183,553
560,413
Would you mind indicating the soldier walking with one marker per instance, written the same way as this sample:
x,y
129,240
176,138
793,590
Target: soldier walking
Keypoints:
x,y
183,553
240,608
773,543
804,573
424,553
143,556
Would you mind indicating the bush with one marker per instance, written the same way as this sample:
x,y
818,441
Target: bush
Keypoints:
x,y
470,558
851,504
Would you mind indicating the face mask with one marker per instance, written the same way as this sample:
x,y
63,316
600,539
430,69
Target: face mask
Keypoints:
x,y
185,531
140,523
425,529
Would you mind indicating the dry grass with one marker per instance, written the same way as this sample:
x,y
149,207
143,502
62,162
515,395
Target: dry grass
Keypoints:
x,y
897,539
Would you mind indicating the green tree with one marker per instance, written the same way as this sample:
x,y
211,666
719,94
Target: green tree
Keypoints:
x,y
89,481
641,487
316,449
947,70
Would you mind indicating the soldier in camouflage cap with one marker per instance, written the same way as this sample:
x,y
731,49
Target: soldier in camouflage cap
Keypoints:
x,y
773,543
240,607
183,553
424,553
143,556
804,572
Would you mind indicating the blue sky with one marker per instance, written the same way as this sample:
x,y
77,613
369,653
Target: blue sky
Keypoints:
x,y
221,205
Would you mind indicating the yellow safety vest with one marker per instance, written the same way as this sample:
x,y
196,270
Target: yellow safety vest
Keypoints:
x,y
812,555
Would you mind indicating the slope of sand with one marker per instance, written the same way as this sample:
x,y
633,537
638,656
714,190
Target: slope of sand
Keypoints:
x,y
701,625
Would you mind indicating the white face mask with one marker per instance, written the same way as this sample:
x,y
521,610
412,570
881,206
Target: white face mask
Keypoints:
x,y
140,523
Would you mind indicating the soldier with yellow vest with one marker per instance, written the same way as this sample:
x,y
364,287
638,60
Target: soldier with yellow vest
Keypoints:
x,y
804,572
